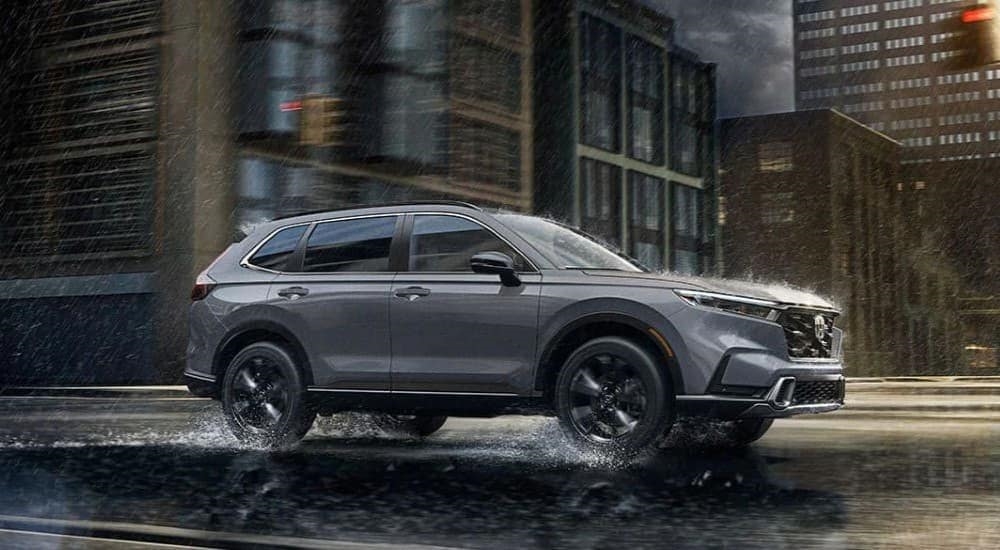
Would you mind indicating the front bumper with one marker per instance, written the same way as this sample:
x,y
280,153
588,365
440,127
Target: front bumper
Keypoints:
x,y
788,396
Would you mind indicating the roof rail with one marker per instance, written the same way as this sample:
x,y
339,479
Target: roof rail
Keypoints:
x,y
383,205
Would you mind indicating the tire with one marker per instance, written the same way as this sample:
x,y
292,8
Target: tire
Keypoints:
x,y
264,397
745,432
408,425
612,396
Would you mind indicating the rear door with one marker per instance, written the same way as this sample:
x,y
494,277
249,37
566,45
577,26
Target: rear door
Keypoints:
x,y
337,299
456,331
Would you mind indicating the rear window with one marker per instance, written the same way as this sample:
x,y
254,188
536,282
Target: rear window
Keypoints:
x,y
276,251
350,245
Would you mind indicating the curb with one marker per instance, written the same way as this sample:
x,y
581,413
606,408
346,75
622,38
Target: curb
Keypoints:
x,y
922,379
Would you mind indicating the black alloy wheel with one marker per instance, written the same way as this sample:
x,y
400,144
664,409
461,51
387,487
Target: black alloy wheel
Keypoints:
x,y
613,395
264,397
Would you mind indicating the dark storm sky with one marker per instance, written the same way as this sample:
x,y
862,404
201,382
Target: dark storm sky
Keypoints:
x,y
751,40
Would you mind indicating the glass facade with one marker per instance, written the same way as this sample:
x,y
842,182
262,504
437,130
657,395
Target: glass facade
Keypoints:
x,y
647,222
601,189
410,81
600,83
687,229
637,96
691,116
385,60
644,84
80,130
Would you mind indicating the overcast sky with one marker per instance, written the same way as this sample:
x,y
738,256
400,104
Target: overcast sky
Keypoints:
x,y
751,40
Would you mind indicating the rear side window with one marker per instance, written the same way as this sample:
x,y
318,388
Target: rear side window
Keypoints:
x,y
276,251
447,243
350,245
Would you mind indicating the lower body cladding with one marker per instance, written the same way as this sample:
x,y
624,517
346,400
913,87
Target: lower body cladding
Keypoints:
x,y
788,396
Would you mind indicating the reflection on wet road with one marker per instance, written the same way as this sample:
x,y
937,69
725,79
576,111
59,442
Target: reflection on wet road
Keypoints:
x,y
504,483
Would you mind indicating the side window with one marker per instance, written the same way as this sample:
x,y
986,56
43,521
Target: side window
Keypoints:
x,y
278,248
350,245
447,243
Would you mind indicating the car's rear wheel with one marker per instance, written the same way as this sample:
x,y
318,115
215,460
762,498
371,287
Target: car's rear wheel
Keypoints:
x,y
613,396
410,425
264,397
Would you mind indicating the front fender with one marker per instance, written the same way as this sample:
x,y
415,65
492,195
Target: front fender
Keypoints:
x,y
557,322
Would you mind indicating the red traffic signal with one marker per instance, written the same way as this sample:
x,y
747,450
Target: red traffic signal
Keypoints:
x,y
976,35
979,13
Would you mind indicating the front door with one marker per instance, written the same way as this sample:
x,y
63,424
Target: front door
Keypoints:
x,y
456,331
337,301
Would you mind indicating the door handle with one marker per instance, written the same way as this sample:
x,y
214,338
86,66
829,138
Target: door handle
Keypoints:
x,y
412,293
293,292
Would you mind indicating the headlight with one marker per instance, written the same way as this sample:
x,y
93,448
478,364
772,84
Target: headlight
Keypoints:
x,y
753,307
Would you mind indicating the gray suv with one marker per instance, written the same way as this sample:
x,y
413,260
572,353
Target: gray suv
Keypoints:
x,y
422,310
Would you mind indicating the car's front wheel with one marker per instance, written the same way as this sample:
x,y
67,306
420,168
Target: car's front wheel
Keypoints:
x,y
264,397
613,396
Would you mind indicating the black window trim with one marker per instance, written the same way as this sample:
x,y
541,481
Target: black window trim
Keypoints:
x,y
408,235
298,256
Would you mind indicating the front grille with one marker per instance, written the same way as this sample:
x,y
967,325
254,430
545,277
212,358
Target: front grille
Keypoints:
x,y
815,392
805,337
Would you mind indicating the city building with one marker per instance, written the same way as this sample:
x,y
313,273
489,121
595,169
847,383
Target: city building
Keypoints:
x,y
434,100
816,199
138,138
896,67
625,143
141,136
891,66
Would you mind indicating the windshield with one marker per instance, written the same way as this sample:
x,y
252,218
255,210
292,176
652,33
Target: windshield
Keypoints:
x,y
565,247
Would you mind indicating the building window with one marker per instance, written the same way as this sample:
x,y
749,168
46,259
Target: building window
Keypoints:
x,y
647,231
78,147
686,230
600,194
387,65
775,157
644,76
777,208
690,115
600,83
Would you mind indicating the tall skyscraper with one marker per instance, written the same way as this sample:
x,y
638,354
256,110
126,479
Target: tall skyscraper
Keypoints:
x,y
890,66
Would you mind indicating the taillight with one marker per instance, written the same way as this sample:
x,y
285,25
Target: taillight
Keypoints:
x,y
202,287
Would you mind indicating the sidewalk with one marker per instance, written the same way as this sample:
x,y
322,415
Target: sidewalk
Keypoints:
x,y
927,385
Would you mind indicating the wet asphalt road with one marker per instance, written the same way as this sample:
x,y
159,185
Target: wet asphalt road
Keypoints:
x,y
166,471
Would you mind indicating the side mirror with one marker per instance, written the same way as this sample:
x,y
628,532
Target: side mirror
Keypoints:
x,y
496,263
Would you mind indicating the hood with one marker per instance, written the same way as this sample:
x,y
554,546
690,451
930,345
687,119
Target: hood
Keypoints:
x,y
775,292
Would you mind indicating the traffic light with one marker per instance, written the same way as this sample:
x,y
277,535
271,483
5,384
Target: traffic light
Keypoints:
x,y
322,121
976,36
